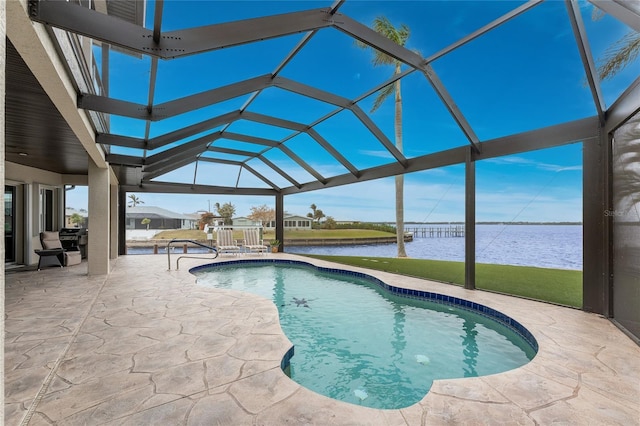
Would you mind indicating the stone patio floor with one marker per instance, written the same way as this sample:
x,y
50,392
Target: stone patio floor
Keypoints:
x,y
147,346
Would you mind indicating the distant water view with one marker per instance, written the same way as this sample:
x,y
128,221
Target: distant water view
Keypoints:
x,y
545,246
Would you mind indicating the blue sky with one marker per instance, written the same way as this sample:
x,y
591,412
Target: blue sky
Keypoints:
x,y
523,76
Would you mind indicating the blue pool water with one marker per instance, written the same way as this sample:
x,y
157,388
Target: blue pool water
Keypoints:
x,y
359,343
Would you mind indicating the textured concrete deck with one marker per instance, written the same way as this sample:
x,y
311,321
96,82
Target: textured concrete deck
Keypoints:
x,y
148,346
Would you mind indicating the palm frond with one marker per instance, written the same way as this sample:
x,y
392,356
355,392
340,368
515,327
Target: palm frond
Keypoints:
x,y
382,95
619,55
380,58
597,14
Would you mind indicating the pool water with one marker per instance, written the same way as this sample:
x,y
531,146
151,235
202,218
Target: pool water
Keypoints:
x,y
361,344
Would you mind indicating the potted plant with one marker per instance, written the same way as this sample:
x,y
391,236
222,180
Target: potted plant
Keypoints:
x,y
274,245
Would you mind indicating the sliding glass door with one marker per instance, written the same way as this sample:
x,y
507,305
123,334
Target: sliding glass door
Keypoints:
x,y
9,224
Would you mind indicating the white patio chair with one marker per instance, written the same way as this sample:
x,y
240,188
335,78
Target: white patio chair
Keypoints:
x,y
225,242
252,241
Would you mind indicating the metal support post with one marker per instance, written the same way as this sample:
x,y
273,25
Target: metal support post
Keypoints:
x,y
280,220
470,221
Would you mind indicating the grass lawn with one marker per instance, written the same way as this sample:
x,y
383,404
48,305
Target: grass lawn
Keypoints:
x,y
559,286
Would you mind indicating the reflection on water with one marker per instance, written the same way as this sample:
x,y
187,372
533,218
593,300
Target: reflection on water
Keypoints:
x,y
470,348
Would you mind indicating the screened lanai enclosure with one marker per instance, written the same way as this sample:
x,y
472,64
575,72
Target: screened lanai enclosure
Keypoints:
x,y
274,98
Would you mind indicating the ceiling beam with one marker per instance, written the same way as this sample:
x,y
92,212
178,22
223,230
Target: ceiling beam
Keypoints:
x,y
378,134
213,96
391,80
108,105
261,177
157,20
278,170
250,139
238,152
378,42
164,168
167,138
274,144
311,92
334,152
303,163
81,20
218,36
431,161
345,103
273,121
118,140
98,26
548,137
450,104
175,107
301,128
187,188
186,150
562,134
124,160
241,165
194,129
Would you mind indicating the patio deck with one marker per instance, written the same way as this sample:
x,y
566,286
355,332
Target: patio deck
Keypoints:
x,y
146,346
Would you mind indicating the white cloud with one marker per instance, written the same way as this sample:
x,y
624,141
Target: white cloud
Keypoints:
x,y
376,153
512,160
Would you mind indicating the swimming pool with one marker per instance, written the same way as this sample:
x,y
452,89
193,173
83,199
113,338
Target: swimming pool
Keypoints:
x,y
362,341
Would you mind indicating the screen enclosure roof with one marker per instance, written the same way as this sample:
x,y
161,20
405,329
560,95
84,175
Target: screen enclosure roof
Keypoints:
x,y
277,96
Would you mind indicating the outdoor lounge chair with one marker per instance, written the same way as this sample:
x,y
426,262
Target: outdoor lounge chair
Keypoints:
x,y
225,242
252,241
53,254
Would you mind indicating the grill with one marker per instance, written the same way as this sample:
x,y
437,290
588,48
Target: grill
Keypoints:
x,y
74,239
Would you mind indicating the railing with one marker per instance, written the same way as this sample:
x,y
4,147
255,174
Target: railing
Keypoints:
x,y
190,257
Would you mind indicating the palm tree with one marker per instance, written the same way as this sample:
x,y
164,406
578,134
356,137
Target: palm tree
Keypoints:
x,y
316,214
383,26
134,201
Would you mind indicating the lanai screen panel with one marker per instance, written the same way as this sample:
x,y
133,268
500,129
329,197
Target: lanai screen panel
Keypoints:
x,y
427,125
523,75
626,225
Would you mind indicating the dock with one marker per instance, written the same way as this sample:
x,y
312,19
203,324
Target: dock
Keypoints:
x,y
456,231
